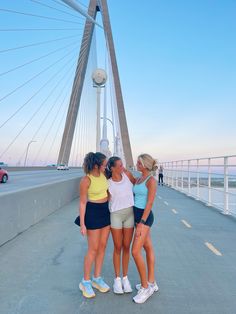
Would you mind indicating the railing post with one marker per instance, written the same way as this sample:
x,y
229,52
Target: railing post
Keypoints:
x,y
163,164
189,177
182,175
165,174
176,176
209,182
168,165
169,173
172,173
198,194
226,187
165,179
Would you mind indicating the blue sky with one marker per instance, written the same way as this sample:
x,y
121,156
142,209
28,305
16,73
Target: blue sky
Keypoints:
x,y
177,65
177,61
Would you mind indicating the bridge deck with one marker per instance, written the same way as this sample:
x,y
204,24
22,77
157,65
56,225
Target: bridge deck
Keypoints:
x,y
41,268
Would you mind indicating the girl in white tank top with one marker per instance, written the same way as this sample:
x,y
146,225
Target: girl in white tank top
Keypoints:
x,y
121,201
121,193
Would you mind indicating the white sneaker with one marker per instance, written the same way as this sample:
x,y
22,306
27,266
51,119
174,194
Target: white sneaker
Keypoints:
x,y
117,286
153,285
143,294
126,285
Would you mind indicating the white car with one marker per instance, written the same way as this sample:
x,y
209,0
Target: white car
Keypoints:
x,y
62,167
3,165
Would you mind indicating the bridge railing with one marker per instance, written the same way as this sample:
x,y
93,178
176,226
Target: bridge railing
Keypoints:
x,y
211,180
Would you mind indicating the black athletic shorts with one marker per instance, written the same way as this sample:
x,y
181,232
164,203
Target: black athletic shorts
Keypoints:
x,y
97,216
138,213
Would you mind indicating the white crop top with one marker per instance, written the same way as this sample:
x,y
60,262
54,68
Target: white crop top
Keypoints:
x,y
121,193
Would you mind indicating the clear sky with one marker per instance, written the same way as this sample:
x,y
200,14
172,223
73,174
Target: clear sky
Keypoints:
x,y
177,65
177,62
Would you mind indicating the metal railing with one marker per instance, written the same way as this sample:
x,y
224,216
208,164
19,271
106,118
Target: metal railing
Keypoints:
x,y
211,180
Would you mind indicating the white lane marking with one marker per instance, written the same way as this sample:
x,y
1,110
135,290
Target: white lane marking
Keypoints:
x,y
186,223
213,249
174,211
166,203
159,197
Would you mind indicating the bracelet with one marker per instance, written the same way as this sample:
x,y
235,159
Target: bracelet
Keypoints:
x,y
142,221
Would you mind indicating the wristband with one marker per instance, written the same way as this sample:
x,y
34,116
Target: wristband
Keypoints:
x,y
142,221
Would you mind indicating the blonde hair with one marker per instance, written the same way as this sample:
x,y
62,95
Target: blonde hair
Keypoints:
x,y
148,162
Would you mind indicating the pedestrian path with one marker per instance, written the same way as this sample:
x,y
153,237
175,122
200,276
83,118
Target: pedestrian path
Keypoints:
x,y
195,253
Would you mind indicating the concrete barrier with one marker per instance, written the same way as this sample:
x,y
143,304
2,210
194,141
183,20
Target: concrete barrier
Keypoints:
x,y
20,210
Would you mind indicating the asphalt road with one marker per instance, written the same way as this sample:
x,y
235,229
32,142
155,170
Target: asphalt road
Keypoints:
x,y
19,180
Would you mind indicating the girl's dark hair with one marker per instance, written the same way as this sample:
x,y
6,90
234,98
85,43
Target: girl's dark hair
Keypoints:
x,y
111,163
91,160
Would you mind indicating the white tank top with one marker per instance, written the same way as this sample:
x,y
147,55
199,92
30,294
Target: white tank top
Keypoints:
x,y
121,193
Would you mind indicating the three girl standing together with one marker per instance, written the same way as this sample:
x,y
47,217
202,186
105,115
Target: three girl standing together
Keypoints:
x,y
130,204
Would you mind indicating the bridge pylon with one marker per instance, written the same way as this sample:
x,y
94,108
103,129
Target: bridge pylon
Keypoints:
x,y
65,149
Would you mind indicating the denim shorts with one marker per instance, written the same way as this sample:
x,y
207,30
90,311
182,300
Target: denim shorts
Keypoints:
x,y
138,213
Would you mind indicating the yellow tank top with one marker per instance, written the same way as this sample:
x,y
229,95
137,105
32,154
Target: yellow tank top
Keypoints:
x,y
98,187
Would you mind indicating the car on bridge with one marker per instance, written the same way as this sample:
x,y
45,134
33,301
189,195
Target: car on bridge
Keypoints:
x,y
3,175
62,167
2,164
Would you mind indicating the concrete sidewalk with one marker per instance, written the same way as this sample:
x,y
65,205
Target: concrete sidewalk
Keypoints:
x,y
42,267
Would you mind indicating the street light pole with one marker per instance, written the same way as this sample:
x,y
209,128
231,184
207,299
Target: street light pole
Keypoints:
x,y
27,151
98,138
113,130
99,78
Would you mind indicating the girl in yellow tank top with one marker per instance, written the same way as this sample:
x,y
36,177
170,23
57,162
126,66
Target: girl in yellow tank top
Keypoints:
x,y
94,221
98,187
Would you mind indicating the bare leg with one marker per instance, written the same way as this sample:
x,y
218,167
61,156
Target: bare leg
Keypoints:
x,y
104,234
117,236
93,237
137,255
127,238
150,256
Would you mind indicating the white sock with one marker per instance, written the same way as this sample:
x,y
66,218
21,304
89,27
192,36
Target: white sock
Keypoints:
x,y
86,280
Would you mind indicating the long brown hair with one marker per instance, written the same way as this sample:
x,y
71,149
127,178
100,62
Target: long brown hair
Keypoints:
x,y
91,160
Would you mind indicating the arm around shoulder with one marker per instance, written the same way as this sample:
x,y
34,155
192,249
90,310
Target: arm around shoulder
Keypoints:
x,y
130,176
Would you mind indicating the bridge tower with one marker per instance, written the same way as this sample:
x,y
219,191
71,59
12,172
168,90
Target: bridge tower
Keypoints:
x,y
65,149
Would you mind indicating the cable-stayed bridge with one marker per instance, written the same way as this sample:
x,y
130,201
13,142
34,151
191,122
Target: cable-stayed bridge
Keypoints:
x,y
50,101
55,107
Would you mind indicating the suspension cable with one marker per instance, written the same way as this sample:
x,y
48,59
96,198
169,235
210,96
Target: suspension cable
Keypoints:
x,y
62,4
59,125
32,78
61,91
38,29
39,151
37,59
37,44
28,100
39,128
31,118
56,9
39,16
